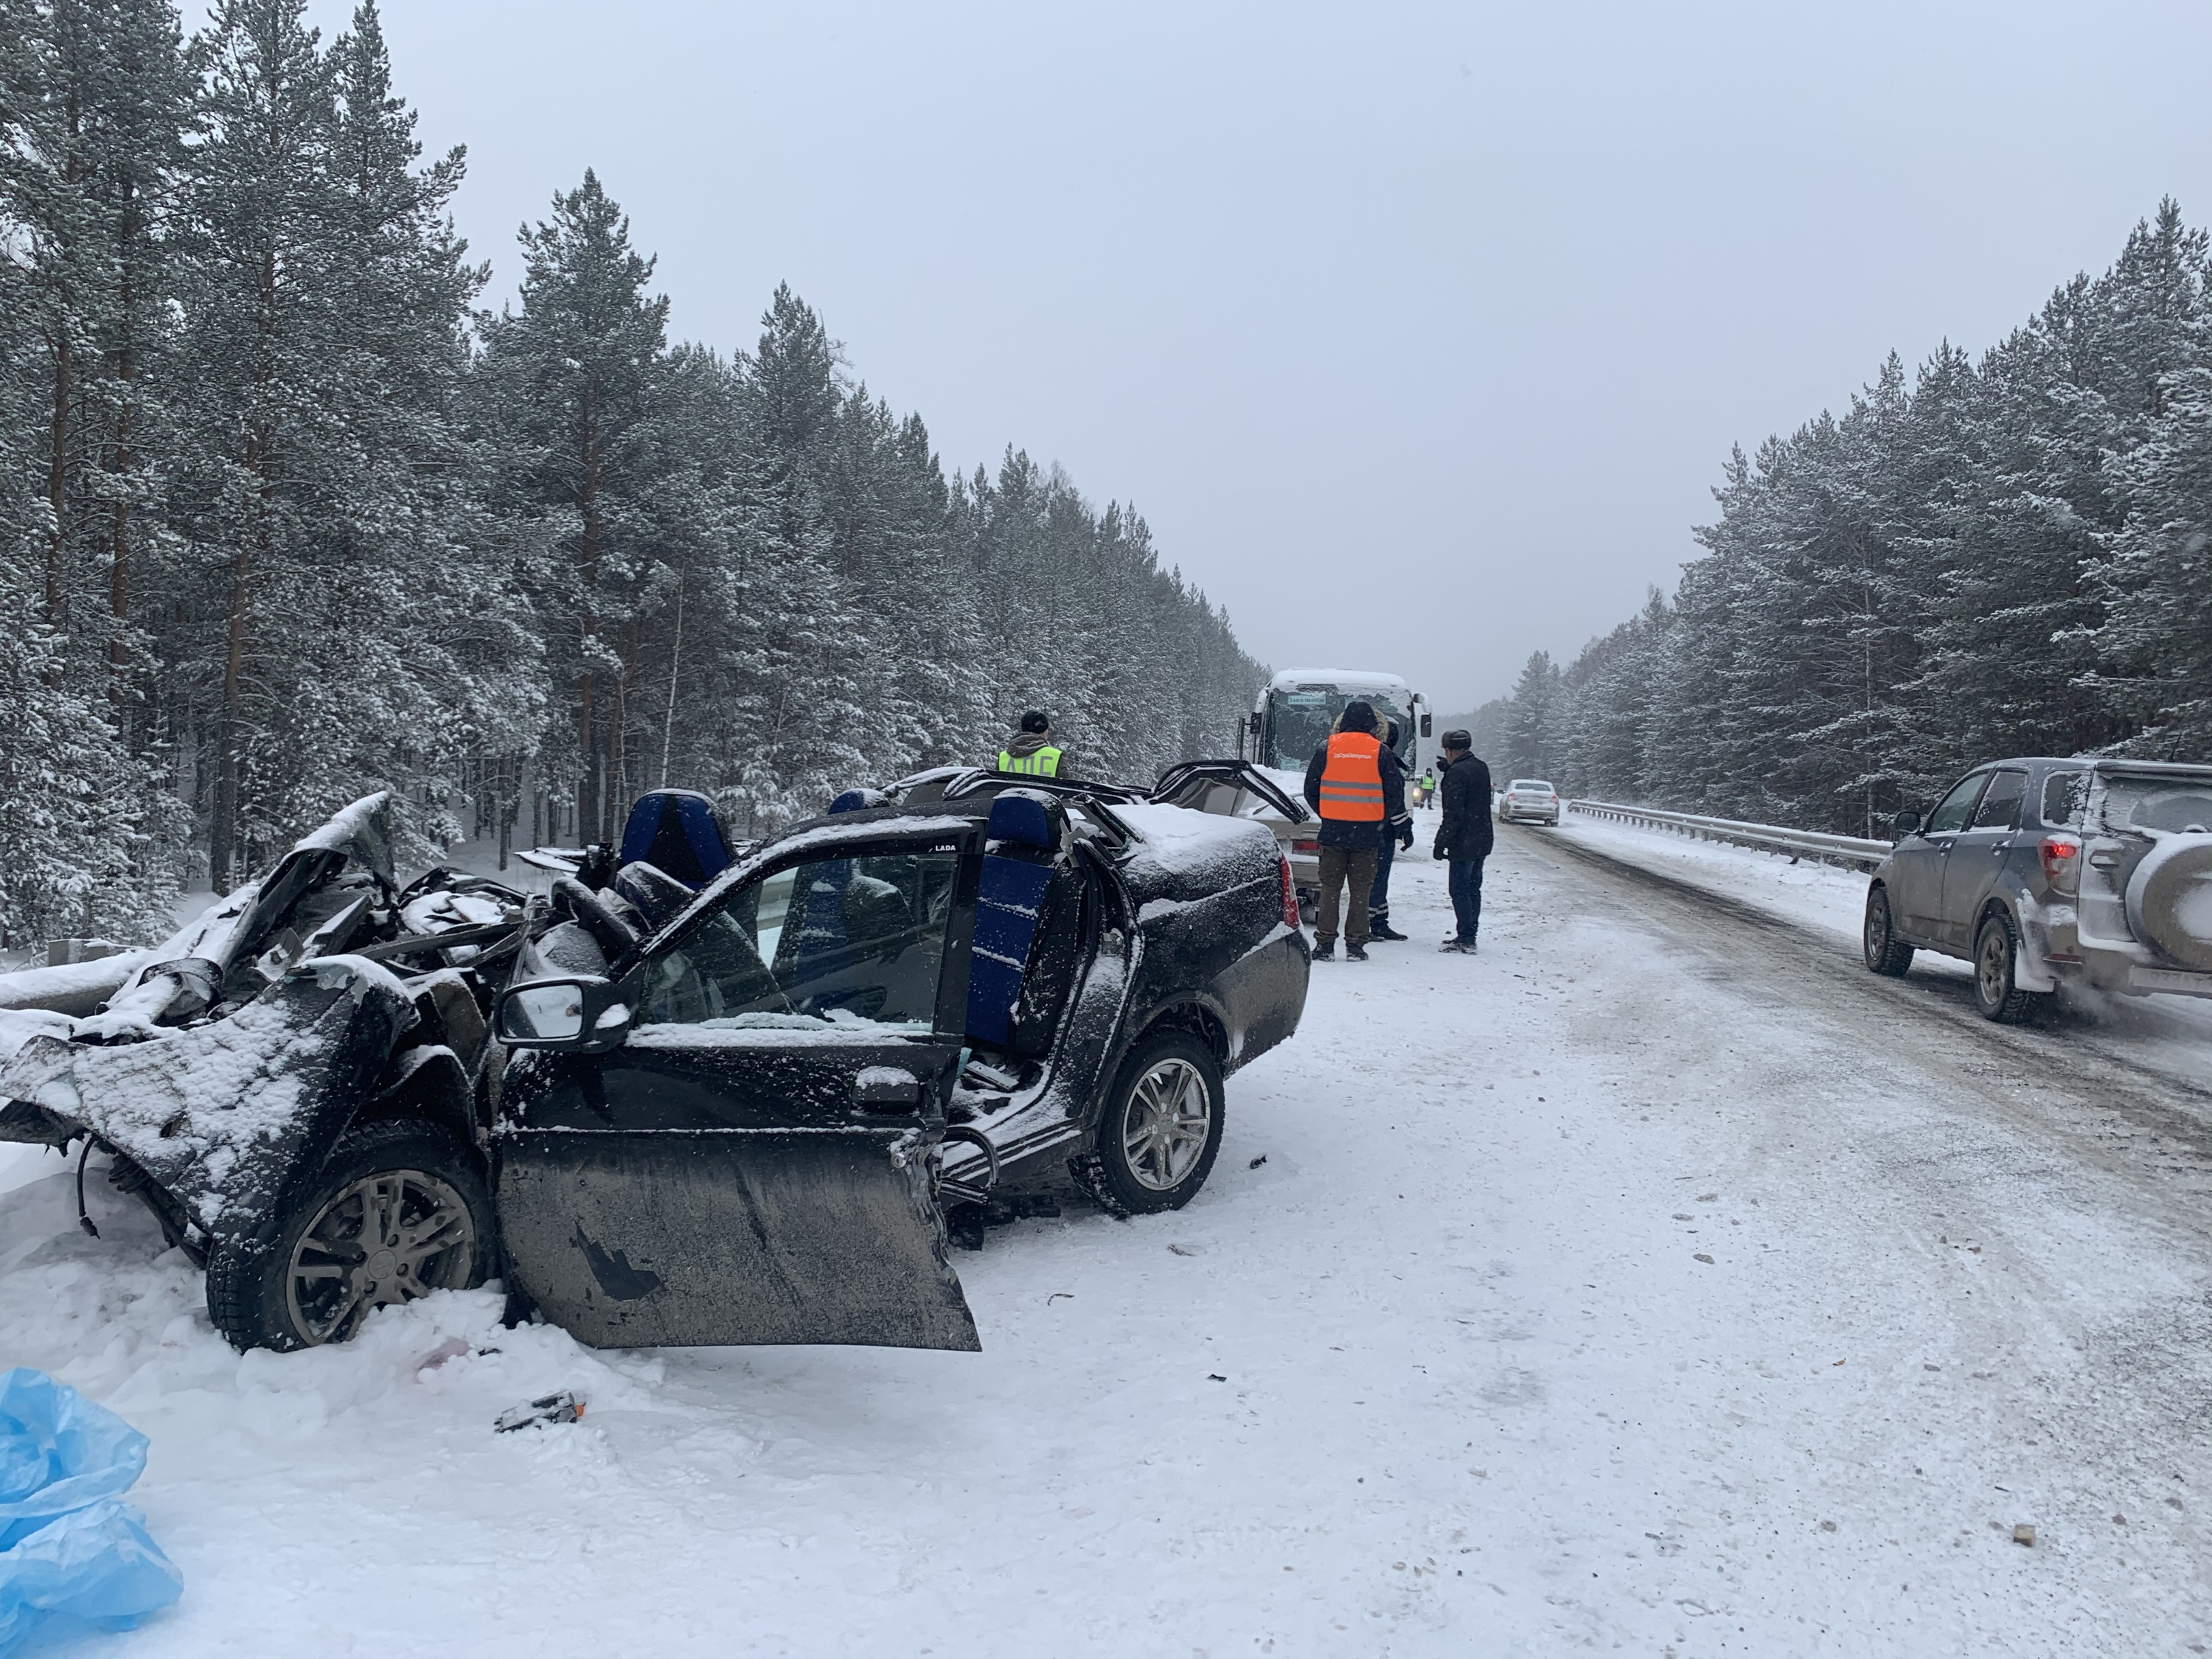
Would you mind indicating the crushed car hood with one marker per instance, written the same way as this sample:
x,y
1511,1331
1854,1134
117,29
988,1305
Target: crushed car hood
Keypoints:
x,y
221,1113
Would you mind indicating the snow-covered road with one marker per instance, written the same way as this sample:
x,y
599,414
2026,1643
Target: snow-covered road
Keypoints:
x,y
1657,1281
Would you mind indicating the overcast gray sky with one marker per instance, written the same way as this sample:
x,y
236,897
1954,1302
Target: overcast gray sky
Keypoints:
x,y
1418,333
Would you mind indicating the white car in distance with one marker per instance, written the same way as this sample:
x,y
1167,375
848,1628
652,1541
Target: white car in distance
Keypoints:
x,y
1529,800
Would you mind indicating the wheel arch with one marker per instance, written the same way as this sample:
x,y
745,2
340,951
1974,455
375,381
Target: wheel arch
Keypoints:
x,y
2030,971
1194,1014
1189,1013
430,1086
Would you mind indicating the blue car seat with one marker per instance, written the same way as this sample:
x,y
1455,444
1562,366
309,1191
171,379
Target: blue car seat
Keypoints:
x,y
1018,867
677,831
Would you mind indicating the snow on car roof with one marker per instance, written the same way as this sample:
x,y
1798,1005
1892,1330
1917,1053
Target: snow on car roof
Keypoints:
x,y
1178,838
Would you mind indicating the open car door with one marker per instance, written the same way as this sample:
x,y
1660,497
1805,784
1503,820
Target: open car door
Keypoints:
x,y
736,1142
1212,786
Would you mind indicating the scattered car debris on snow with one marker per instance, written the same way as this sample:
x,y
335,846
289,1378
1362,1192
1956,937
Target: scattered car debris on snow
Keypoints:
x,y
562,1407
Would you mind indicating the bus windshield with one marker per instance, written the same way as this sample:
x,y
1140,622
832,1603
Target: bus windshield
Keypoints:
x,y
1299,721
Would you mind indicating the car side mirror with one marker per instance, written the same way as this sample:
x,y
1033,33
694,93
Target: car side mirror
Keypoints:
x,y
585,1015
1906,823
1425,725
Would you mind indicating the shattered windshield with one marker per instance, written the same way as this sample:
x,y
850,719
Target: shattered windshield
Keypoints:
x,y
1299,721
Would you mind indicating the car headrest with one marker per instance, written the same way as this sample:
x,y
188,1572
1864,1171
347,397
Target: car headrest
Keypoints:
x,y
1023,818
660,898
611,918
860,801
677,831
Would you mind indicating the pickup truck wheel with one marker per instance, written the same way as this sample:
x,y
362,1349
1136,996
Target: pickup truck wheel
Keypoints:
x,y
1997,995
398,1211
1161,1130
1884,952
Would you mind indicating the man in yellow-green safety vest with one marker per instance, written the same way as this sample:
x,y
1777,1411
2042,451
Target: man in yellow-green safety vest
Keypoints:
x,y
1032,754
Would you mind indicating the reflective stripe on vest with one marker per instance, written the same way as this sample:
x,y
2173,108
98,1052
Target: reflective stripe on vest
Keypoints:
x,y
1351,781
1044,764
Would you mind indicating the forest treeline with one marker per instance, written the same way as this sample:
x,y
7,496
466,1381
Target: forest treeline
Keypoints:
x,y
285,516
2001,557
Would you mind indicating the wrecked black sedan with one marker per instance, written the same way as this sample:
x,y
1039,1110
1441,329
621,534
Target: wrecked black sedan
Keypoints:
x,y
709,1108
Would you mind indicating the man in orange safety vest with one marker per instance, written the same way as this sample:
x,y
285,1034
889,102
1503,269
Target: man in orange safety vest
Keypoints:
x,y
1356,785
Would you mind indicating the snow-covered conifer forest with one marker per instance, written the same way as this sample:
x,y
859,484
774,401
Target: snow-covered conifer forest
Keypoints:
x,y
1996,556
285,514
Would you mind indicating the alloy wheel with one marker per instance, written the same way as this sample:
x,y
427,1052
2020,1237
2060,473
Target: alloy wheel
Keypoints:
x,y
387,1238
1993,966
1169,1117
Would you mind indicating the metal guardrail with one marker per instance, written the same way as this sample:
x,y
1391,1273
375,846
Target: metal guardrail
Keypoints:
x,y
1852,850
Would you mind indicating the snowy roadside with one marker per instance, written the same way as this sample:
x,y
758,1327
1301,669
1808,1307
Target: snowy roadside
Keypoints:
x,y
2170,1032
1823,896
1586,1296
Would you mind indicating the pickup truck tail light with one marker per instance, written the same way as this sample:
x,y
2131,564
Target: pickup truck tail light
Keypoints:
x,y
2062,863
1290,896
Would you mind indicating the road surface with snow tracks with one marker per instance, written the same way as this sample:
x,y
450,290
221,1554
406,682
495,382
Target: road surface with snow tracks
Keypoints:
x,y
1656,1281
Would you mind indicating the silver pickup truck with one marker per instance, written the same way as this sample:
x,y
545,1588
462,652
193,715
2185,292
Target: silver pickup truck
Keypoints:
x,y
2041,870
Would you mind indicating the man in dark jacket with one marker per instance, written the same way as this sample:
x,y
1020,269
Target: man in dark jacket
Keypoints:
x,y
1379,896
1466,835
1356,786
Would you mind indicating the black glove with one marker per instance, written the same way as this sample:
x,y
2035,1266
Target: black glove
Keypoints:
x,y
1406,836
1437,852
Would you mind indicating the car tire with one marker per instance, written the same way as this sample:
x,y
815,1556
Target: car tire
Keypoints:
x,y
1997,995
1156,1140
311,1282
1885,953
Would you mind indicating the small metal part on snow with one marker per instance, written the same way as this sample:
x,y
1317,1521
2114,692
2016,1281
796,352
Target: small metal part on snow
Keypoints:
x,y
1257,1162
83,1219
2024,1533
562,1407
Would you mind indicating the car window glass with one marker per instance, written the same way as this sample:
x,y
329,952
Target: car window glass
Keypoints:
x,y
2000,807
2062,793
852,942
2150,803
1957,806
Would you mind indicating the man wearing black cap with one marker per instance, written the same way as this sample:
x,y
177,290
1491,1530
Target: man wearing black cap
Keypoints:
x,y
1356,786
1033,753
1466,835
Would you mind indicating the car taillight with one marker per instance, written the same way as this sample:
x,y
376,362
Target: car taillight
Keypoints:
x,y
1290,896
1313,847
2062,863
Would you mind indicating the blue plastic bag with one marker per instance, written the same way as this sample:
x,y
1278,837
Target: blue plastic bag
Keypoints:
x,y
68,1550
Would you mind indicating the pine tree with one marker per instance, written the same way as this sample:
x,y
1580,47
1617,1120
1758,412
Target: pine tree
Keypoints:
x,y
572,377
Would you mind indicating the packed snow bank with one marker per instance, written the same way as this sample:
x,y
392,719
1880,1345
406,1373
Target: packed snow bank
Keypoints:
x,y
75,988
